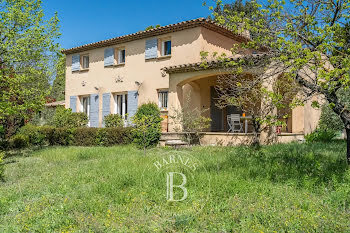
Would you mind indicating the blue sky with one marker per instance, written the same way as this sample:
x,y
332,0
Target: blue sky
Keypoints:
x,y
86,21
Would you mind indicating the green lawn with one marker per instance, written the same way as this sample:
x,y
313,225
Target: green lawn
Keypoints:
x,y
282,188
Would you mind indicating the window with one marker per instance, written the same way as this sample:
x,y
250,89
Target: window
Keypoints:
x,y
163,100
85,105
166,48
121,56
85,62
121,104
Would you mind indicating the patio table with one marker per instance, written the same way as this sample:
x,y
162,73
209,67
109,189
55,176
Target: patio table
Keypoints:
x,y
246,118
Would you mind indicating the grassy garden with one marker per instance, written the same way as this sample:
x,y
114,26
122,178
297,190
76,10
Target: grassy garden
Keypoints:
x,y
282,188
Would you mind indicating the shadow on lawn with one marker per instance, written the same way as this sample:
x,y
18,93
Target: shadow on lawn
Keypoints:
x,y
303,164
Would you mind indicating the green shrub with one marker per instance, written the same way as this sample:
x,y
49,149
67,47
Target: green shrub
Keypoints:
x,y
85,137
61,136
149,109
65,118
34,133
114,120
147,129
320,135
31,135
102,136
114,136
79,119
19,141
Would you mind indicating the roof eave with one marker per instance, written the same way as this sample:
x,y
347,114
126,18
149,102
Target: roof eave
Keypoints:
x,y
201,22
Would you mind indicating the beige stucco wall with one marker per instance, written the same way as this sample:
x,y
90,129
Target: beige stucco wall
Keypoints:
x,y
215,42
312,115
186,48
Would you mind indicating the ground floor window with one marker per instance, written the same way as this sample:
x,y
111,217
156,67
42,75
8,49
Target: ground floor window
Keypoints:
x,y
85,106
163,100
121,105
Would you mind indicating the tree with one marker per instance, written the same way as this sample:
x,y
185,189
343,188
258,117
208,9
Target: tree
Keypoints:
x,y
329,119
190,121
27,52
152,27
224,11
250,93
58,86
303,38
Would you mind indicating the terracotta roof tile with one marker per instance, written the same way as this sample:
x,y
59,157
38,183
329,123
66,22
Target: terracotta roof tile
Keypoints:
x,y
212,64
206,23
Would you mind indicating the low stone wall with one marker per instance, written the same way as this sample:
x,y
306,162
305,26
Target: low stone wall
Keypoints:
x,y
230,139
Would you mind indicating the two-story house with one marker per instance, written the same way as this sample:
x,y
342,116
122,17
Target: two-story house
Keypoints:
x,y
160,65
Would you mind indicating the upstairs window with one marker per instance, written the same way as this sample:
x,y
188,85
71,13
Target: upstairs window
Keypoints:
x,y
166,48
121,56
163,100
85,61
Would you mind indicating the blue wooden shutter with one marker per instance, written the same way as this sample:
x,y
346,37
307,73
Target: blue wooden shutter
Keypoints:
x,y
132,103
73,103
109,56
76,62
106,106
94,110
151,50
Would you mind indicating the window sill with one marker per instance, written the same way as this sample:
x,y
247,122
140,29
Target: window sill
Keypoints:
x,y
163,110
164,57
119,65
80,71
151,59
109,66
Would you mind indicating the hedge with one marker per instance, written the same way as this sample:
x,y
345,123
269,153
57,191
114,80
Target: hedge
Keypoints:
x,y
47,135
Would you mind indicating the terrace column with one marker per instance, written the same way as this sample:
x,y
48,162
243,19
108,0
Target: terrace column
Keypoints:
x,y
175,104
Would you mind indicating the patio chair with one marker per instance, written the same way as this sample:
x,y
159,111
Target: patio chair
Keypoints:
x,y
234,123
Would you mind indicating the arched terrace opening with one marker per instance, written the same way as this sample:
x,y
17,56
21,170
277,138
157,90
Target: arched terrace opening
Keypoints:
x,y
196,90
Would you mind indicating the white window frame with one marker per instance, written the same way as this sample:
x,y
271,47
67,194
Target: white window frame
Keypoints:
x,y
163,97
119,53
120,100
83,63
163,48
87,98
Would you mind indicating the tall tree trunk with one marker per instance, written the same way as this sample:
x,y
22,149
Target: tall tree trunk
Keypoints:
x,y
348,145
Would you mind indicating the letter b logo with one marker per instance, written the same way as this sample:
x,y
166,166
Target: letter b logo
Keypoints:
x,y
170,186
